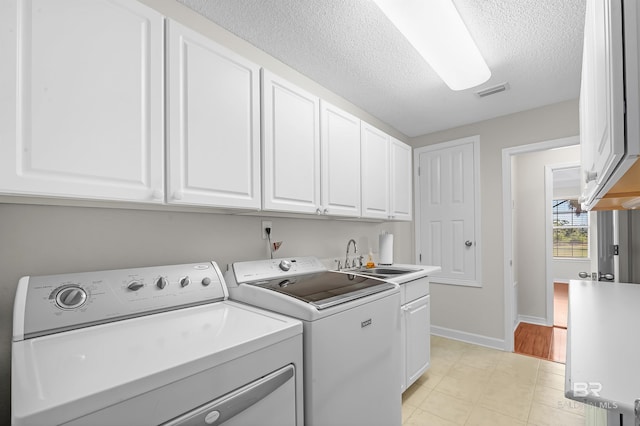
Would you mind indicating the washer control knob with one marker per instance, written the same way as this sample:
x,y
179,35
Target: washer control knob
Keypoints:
x,y
285,265
135,285
161,283
206,281
185,281
71,297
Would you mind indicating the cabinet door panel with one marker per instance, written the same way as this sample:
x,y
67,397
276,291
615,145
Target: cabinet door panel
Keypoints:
x,y
418,326
291,147
601,95
340,145
401,180
89,101
214,137
375,173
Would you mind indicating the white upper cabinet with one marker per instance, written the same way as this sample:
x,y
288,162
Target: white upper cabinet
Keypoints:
x,y
386,176
401,174
290,147
340,146
375,172
214,123
82,88
601,95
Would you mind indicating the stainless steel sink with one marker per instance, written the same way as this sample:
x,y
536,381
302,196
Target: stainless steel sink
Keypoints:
x,y
384,272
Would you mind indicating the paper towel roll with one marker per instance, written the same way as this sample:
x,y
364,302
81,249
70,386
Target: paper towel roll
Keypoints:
x,y
386,249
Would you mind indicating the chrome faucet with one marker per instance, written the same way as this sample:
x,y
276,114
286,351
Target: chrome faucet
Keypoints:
x,y
355,250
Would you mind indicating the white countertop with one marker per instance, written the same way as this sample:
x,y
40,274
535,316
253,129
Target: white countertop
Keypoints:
x,y
603,350
421,271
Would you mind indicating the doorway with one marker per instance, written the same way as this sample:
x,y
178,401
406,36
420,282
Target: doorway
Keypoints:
x,y
561,251
518,271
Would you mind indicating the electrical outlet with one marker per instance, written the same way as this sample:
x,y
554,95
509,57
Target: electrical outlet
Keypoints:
x,y
266,224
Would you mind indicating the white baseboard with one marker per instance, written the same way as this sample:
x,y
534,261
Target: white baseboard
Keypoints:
x,y
532,320
463,336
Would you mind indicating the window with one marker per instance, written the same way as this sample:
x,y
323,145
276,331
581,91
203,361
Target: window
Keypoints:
x,y
570,230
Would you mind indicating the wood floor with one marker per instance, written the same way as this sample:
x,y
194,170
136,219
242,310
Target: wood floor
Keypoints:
x,y
546,342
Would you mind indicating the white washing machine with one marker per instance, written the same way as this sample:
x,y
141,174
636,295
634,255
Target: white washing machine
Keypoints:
x,y
151,346
352,365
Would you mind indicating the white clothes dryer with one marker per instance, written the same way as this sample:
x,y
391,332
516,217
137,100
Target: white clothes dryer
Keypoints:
x,y
151,346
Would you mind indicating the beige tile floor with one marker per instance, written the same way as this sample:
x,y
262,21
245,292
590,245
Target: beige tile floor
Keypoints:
x,y
472,385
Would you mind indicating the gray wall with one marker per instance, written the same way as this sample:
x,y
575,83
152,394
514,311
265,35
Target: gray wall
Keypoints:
x,y
480,311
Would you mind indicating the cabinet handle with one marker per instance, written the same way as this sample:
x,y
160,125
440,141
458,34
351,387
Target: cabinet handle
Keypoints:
x,y
157,194
326,211
590,176
468,243
318,211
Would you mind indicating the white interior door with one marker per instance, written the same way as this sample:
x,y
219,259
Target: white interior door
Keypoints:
x,y
448,211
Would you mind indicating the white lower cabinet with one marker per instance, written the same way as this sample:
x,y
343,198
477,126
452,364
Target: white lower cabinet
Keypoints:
x,y
416,330
82,89
213,149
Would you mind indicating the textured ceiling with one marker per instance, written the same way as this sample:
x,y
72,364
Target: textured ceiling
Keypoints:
x,y
350,47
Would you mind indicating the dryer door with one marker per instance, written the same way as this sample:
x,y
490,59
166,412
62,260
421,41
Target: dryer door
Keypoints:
x,y
267,401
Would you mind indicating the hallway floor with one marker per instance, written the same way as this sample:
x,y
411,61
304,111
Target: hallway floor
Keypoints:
x,y
472,385
548,343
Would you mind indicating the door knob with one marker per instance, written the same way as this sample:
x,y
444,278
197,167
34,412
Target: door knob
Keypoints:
x,y
468,243
605,277
583,275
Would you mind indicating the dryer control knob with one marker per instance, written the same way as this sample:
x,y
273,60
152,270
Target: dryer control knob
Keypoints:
x,y
206,281
285,265
161,283
135,285
71,297
185,281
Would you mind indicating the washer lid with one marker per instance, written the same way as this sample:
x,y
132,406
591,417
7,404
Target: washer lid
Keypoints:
x,y
62,376
326,289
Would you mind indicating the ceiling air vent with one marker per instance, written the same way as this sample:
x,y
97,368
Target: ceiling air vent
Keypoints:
x,y
492,90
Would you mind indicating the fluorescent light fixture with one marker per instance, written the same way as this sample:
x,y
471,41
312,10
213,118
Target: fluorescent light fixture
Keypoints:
x,y
437,32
